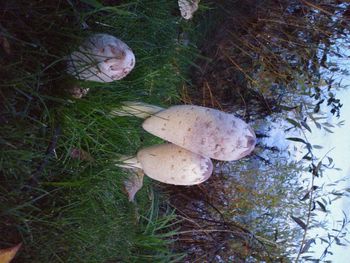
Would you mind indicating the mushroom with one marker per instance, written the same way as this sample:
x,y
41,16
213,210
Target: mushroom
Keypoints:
x,y
101,58
171,164
205,131
188,7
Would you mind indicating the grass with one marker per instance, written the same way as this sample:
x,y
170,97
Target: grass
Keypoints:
x,y
65,209
69,209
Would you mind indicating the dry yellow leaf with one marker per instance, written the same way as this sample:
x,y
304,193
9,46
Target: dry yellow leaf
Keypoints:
x,y
6,255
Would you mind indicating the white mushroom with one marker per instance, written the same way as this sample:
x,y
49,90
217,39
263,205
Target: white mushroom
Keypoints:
x,y
101,58
188,7
205,131
171,164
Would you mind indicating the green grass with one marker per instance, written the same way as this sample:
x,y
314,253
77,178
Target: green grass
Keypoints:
x,y
78,211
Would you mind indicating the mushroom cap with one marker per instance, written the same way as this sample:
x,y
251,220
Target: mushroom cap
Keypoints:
x,y
188,7
171,164
101,58
207,132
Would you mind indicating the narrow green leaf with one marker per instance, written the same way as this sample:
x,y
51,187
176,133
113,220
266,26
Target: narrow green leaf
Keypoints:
x,y
328,130
317,147
337,240
299,222
322,206
307,257
324,201
330,160
342,244
306,196
293,122
307,157
294,139
313,206
341,123
307,245
328,125
337,193
306,126
317,169
324,240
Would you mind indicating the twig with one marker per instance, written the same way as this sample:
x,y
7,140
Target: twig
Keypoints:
x,y
311,198
230,228
316,7
334,238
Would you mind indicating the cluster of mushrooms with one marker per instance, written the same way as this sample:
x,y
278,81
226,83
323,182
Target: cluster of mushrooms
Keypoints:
x,y
195,134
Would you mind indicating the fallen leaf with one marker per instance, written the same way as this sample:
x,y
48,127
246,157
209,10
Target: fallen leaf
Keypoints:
x,y
133,184
80,154
6,255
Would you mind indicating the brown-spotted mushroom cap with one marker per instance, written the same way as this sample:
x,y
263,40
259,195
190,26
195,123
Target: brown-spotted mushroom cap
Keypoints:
x,y
171,164
204,131
101,58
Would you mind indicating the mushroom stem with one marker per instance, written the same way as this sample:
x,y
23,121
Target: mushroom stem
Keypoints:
x,y
129,162
137,109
